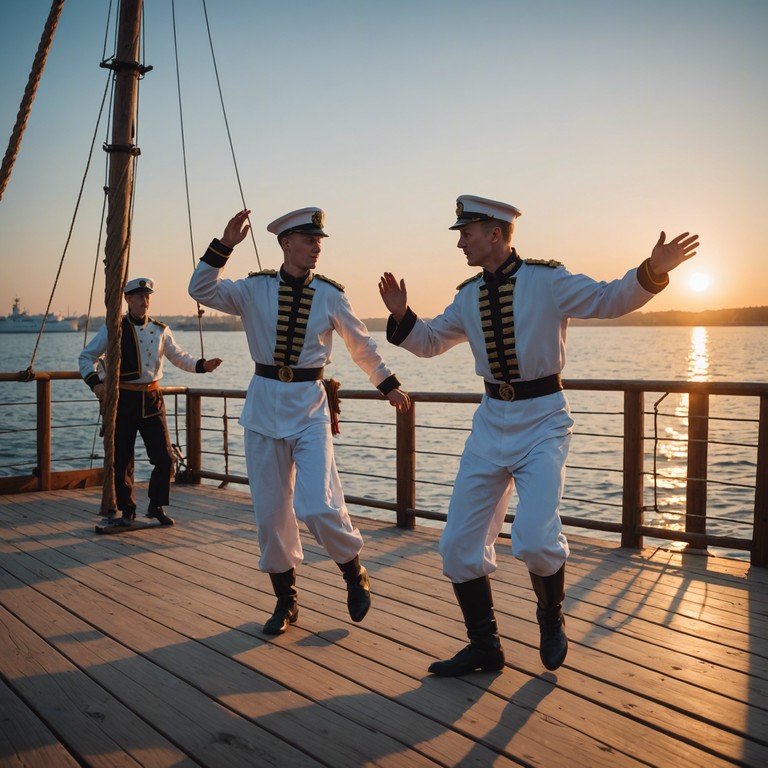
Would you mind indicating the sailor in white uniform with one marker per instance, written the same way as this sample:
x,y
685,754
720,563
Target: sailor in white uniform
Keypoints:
x,y
514,315
289,317
145,343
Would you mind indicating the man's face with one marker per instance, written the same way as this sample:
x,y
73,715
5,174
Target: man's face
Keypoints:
x,y
301,252
477,241
138,303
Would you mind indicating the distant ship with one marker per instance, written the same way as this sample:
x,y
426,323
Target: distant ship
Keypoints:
x,y
20,322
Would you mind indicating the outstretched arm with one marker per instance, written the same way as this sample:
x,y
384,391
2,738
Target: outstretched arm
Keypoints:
x,y
394,295
236,230
666,256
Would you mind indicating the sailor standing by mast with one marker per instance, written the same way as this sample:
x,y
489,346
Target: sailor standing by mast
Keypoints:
x,y
289,317
145,343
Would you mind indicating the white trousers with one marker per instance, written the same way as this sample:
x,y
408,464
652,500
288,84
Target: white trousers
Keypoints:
x,y
479,503
293,479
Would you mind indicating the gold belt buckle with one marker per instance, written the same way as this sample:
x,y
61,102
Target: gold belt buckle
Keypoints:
x,y
506,391
285,373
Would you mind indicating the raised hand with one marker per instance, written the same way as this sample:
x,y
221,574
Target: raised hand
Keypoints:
x,y
394,295
236,230
666,256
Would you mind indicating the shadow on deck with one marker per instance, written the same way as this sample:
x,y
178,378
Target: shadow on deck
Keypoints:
x,y
146,649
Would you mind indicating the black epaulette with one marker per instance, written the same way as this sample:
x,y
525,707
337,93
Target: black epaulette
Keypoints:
x,y
469,280
332,282
267,272
158,322
544,263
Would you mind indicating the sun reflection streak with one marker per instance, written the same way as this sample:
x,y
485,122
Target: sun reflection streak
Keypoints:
x,y
674,449
698,355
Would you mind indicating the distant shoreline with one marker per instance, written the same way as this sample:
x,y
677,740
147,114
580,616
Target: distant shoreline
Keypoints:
x,y
744,316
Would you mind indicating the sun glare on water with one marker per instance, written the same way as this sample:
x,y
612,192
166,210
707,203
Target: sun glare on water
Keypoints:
x,y
700,282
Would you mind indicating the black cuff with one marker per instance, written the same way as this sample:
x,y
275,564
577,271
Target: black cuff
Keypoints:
x,y
652,282
200,365
217,254
388,385
398,332
92,380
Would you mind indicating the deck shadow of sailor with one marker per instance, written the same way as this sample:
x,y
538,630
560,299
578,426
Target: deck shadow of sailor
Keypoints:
x,y
376,710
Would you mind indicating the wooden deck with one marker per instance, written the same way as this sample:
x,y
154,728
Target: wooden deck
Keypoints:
x,y
145,649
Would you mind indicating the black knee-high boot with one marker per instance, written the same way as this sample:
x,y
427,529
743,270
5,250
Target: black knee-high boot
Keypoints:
x,y
550,591
287,608
358,588
484,651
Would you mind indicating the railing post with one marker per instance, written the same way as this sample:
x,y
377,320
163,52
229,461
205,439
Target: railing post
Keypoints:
x,y
194,438
696,484
44,434
406,466
632,501
759,555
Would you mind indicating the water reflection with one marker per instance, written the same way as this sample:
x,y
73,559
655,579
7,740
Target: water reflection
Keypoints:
x,y
672,451
698,355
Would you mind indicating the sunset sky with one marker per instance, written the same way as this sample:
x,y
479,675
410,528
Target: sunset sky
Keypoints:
x,y
604,121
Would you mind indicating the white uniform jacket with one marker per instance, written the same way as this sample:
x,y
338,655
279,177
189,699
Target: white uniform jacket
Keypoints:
x,y
275,408
546,295
154,342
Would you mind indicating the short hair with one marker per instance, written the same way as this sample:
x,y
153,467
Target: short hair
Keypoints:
x,y
506,227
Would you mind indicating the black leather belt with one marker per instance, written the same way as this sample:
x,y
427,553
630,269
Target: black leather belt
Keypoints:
x,y
524,390
286,373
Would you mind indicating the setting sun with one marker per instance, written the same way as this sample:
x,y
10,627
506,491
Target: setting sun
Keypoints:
x,y
700,281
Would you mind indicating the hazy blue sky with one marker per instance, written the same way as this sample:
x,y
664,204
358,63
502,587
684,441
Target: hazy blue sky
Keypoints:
x,y
604,121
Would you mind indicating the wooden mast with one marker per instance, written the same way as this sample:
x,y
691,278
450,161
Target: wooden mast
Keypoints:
x,y
121,151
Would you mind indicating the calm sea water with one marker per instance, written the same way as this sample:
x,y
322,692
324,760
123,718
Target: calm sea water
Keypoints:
x,y
365,449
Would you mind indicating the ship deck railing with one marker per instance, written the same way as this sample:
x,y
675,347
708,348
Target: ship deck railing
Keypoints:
x,y
202,423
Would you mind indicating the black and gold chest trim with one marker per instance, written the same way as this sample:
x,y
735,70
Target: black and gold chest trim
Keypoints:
x,y
130,354
497,319
544,263
331,282
293,307
266,272
469,280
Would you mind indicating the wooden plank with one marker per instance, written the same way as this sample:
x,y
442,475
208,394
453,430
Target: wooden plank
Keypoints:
x,y
94,724
515,682
665,658
187,680
599,721
24,738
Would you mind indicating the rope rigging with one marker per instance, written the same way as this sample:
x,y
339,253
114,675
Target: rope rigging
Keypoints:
x,y
36,73
193,250
119,186
229,134
109,62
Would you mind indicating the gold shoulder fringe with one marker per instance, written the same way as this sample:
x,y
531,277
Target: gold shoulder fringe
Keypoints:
x,y
332,282
268,272
544,263
469,280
